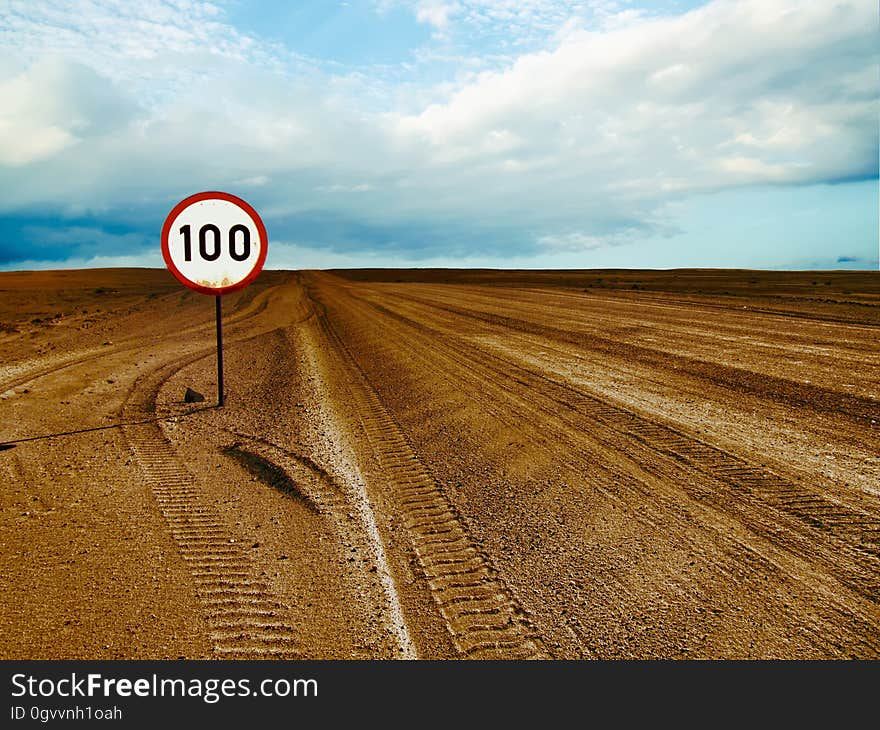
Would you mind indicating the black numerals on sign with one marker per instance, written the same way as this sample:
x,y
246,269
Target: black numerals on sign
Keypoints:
x,y
214,253
210,231
245,242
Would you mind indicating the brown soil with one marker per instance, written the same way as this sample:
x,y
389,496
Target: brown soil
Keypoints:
x,y
442,464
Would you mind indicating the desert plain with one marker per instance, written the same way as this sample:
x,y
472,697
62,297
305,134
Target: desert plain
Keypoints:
x,y
441,464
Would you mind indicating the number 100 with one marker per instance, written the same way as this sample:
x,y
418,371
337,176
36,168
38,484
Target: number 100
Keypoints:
x,y
212,252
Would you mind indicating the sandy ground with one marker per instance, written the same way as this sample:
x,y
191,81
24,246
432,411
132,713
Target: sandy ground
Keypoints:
x,y
437,464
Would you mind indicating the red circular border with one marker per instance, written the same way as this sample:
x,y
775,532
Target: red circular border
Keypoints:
x,y
215,195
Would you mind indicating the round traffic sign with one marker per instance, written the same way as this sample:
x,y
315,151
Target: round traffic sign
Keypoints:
x,y
214,243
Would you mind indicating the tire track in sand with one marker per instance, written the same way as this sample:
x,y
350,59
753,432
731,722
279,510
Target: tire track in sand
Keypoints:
x,y
459,357
338,503
246,620
757,495
485,620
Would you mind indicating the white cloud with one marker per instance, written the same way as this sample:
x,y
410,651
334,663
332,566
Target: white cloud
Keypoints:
x,y
287,255
339,188
160,50
513,26
730,94
582,140
36,125
436,13
253,182
145,260
21,143
572,242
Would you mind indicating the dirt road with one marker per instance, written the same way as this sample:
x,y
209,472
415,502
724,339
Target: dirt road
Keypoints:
x,y
441,464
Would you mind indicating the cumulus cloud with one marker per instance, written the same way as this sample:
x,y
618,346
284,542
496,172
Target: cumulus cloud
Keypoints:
x,y
583,142
576,241
436,13
731,93
512,25
337,188
140,43
36,125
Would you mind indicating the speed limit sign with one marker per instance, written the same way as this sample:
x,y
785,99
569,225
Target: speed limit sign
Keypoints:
x,y
214,243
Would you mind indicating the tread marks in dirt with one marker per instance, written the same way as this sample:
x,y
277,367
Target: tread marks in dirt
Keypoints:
x,y
246,620
485,620
794,394
746,490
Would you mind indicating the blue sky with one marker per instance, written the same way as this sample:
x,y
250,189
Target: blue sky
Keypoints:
x,y
530,133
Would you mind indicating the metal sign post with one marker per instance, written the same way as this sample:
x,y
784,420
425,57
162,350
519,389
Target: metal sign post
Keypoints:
x,y
220,398
214,243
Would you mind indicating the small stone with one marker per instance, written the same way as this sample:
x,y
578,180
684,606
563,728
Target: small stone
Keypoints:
x,y
192,396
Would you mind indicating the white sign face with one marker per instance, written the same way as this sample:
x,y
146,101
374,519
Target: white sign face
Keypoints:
x,y
214,243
